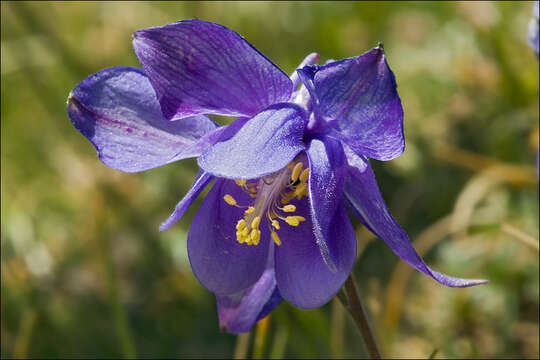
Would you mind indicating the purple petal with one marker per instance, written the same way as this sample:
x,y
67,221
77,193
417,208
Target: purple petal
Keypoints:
x,y
219,262
366,202
221,134
308,60
326,172
117,110
359,96
239,312
265,144
199,184
303,277
201,67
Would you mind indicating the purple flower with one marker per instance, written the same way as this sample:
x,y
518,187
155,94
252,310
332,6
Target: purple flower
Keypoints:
x,y
274,225
534,28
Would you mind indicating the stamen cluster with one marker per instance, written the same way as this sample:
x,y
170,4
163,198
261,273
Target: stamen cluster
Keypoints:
x,y
272,194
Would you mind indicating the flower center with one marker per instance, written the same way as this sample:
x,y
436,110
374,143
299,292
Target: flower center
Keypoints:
x,y
271,195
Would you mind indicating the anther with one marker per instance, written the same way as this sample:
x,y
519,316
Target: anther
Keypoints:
x,y
304,176
240,182
249,210
255,235
255,223
294,220
229,200
296,171
276,239
289,208
300,190
241,224
275,224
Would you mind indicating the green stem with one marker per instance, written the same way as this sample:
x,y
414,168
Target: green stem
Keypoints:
x,y
354,306
242,344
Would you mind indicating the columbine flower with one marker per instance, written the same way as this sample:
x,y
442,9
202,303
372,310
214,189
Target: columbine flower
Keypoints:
x,y
274,225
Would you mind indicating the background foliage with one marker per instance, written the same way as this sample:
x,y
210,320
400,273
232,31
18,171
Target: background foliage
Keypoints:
x,y
85,271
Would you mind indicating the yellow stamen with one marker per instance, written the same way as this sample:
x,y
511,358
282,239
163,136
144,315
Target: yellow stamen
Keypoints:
x,y
240,182
289,208
229,200
240,224
294,220
300,190
249,210
285,201
296,171
255,223
275,237
290,165
304,175
275,224
255,236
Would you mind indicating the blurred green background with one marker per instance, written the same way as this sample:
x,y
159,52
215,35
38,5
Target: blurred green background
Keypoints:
x,y
86,273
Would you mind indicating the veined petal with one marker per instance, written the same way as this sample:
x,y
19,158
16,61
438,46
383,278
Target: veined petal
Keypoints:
x,y
359,96
198,186
265,144
326,172
117,110
201,67
219,262
239,312
303,277
366,202
221,134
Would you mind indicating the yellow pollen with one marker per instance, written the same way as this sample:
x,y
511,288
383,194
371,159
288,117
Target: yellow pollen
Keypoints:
x,y
245,231
241,239
300,190
255,223
249,210
290,165
240,182
255,235
294,220
289,208
240,224
229,200
275,237
285,201
275,224
304,175
296,171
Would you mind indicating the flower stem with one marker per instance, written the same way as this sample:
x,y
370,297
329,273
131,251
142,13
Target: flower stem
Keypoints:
x,y
354,306
242,344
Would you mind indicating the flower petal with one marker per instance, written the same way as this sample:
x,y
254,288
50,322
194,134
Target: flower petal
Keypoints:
x,y
117,110
366,202
303,277
221,134
326,172
221,264
359,96
198,186
201,67
239,312
265,144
